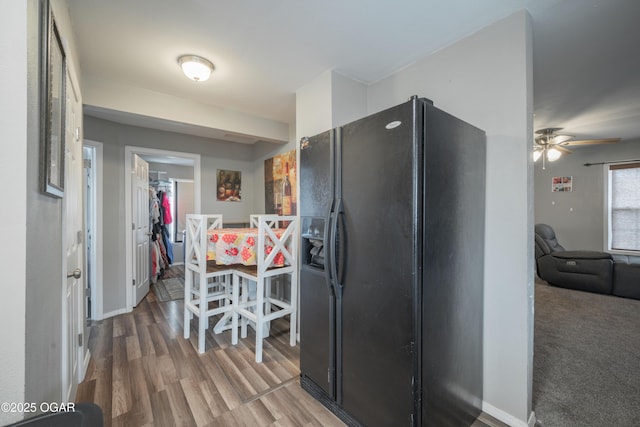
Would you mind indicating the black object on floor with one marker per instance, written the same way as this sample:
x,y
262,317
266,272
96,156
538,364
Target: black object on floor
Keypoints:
x,y
83,415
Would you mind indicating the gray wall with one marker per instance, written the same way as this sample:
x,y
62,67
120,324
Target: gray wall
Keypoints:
x,y
214,155
578,217
44,269
172,171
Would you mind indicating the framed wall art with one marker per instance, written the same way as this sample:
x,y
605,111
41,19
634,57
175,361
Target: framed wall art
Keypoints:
x,y
280,179
52,104
561,184
229,185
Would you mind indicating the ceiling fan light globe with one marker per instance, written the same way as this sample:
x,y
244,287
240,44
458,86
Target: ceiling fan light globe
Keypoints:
x,y
536,155
553,154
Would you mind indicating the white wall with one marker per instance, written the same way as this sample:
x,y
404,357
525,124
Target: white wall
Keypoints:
x,y
329,101
313,106
349,100
486,80
13,162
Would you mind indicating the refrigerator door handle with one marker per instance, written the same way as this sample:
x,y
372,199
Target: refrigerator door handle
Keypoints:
x,y
336,251
328,250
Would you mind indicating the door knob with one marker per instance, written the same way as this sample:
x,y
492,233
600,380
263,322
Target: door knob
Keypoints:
x,y
77,273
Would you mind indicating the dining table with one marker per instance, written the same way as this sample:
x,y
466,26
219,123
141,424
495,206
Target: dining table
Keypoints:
x,y
228,246
233,246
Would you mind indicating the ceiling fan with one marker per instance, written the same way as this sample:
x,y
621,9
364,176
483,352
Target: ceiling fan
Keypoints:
x,y
550,145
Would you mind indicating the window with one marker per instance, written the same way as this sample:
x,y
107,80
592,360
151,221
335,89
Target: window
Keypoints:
x,y
624,207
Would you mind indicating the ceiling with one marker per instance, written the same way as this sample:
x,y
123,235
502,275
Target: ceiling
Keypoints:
x,y
586,62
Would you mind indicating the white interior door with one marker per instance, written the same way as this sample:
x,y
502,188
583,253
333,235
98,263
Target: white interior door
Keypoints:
x,y
73,293
141,232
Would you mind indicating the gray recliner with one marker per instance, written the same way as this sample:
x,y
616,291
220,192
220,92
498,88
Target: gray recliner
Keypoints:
x,y
590,271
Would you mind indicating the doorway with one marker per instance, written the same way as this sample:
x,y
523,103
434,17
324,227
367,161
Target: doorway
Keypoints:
x,y
92,162
152,156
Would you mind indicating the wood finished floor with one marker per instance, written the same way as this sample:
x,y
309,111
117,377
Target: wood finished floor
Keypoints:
x,y
144,373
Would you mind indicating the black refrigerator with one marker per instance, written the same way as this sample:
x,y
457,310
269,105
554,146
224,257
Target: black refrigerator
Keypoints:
x,y
391,278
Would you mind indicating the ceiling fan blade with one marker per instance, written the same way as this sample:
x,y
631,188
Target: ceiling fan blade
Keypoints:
x,y
548,131
592,141
562,149
551,139
559,139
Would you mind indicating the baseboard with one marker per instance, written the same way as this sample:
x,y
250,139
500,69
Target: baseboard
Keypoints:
x,y
507,418
317,393
114,313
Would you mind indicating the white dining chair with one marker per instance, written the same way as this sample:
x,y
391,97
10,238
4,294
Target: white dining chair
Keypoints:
x,y
260,309
253,221
205,282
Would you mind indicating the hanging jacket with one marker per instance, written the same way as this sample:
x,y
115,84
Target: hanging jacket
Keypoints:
x,y
167,209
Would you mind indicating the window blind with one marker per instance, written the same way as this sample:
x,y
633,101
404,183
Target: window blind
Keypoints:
x,y
625,206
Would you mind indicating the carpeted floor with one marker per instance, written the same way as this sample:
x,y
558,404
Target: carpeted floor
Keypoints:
x,y
169,289
586,359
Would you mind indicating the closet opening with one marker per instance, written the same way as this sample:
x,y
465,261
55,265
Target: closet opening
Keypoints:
x,y
173,189
160,223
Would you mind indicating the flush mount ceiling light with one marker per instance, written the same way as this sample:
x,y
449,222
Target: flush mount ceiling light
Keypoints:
x,y
195,67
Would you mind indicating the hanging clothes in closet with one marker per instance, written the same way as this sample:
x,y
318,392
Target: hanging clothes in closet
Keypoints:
x,y
166,219
154,215
159,214
157,261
